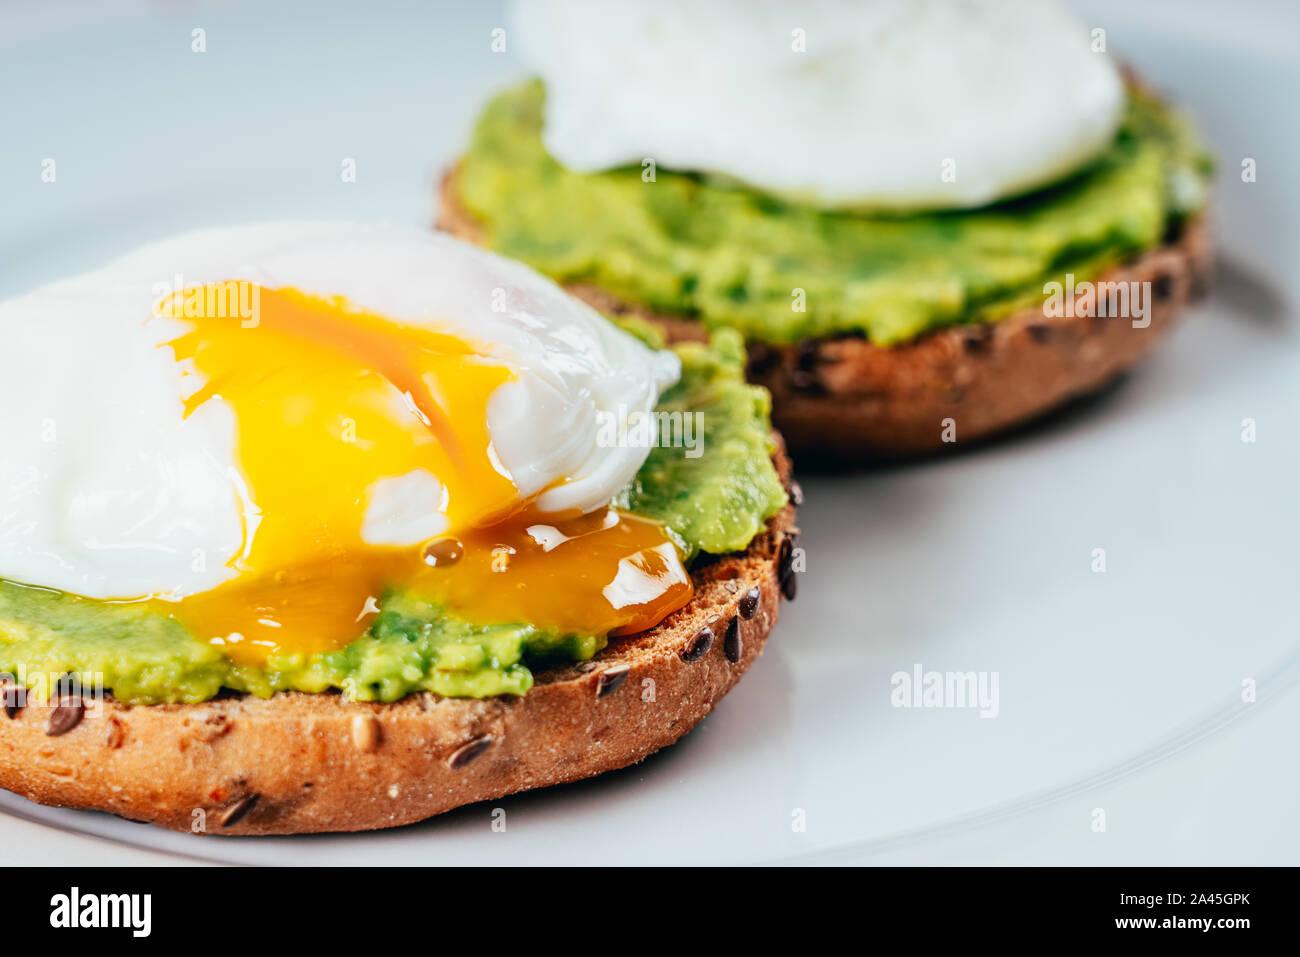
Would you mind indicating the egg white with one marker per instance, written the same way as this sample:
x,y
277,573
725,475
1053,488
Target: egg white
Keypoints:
x,y
895,104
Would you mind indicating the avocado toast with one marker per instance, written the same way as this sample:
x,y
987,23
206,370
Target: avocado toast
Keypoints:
x,y
262,587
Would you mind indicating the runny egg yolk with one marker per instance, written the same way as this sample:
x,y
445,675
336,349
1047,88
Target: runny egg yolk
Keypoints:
x,y
327,400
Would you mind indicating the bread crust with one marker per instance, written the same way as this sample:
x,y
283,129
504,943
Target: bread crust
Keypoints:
x,y
301,763
857,400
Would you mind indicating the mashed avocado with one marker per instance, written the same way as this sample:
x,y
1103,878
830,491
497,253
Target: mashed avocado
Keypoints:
x,y
713,502
736,257
719,507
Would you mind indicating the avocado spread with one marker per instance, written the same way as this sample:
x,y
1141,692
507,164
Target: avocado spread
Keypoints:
x,y
782,272
711,502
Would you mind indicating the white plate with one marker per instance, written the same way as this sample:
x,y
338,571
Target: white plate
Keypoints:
x,y
1118,691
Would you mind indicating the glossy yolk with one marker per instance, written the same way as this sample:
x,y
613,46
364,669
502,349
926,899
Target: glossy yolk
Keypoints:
x,y
327,400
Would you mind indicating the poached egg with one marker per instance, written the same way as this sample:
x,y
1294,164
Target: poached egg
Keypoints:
x,y
888,104
261,430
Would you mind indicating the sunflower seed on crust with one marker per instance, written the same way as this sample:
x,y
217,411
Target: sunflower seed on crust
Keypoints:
x,y
65,716
13,695
611,679
733,646
468,752
699,645
239,810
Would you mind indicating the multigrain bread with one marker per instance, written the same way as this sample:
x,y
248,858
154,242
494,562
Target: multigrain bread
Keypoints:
x,y
299,763
857,400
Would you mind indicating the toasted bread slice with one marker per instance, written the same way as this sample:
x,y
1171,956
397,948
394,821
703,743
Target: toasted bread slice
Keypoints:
x,y
857,400
298,763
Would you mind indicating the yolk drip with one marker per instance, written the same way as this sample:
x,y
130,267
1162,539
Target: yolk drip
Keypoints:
x,y
328,400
